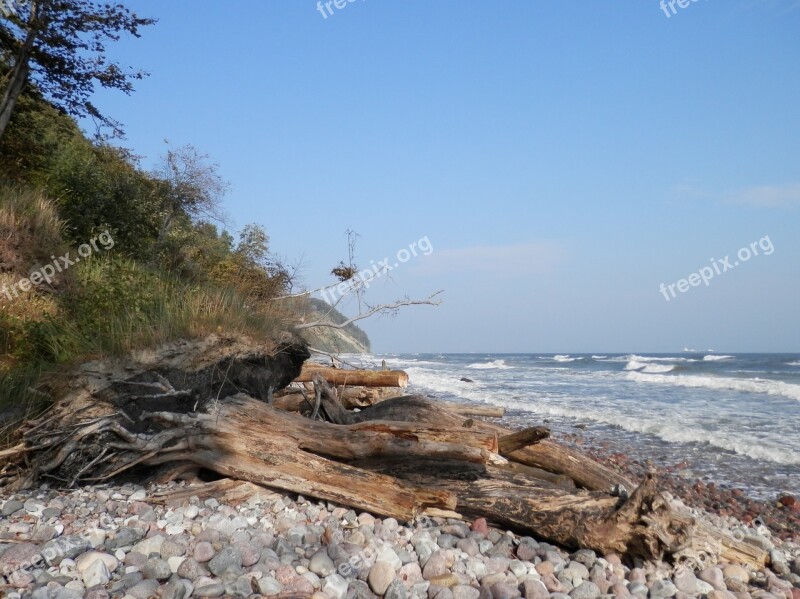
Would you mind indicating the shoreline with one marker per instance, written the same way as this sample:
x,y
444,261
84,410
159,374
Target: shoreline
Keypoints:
x,y
120,541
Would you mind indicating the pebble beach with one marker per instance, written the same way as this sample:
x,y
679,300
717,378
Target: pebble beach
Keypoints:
x,y
117,541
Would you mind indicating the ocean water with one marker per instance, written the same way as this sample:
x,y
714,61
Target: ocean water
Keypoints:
x,y
733,419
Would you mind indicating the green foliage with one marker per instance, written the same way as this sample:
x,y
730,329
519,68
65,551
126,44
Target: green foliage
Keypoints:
x,y
60,46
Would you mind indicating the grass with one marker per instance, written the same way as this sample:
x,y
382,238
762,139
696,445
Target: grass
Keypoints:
x,y
111,305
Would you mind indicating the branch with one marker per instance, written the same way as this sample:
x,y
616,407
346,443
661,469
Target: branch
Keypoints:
x,y
381,308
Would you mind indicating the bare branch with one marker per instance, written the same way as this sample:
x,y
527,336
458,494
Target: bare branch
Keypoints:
x,y
379,309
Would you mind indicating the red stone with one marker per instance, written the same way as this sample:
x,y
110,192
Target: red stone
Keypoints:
x,y
787,500
480,526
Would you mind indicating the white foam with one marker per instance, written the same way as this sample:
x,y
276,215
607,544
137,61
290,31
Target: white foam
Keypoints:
x,y
773,449
656,359
716,358
564,358
599,357
767,387
650,368
494,364
795,363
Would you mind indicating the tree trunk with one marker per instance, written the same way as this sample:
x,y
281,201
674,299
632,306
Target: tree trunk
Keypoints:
x,y
19,75
360,378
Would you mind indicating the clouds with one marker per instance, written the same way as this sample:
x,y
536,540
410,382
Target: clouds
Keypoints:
x,y
498,260
770,196
764,196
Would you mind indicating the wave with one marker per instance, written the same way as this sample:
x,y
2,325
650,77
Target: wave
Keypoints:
x,y
766,387
649,368
494,364
716,358
657,359
565,358
599,357
795,363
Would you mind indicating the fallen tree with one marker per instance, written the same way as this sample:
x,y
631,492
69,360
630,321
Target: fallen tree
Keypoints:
x,y
203,406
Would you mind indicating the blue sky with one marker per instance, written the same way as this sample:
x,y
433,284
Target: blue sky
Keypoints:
x,y
563,158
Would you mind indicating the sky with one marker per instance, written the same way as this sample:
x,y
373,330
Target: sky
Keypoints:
x,y
557,161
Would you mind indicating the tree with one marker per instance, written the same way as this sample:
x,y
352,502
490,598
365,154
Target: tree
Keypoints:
x,y
188,185
60,46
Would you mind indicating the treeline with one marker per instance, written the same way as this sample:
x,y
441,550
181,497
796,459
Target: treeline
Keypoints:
x,y
157,265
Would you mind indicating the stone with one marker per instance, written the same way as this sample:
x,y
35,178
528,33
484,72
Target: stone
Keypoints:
x,y
19,556
190,569
639,589
713,576
149,546
203,552
387,554
436,565
534,589
334,585
88,558
468,546
174,589
662,589
480,526
125,537
157,569
503,590
227,559
527,549
96,573
380,577
685,581
144,589
716,594
586,590
555,558
212,590
61,548
171,548
396,590
735,571
410,574
11,506
267,585
321,564
464,591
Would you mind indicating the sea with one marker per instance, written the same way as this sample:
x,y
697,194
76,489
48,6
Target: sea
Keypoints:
x,y
731,419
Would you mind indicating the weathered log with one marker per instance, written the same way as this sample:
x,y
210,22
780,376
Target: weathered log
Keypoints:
x,y
364,378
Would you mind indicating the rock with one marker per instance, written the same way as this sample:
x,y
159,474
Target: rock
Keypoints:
x,y
44,533
190,569
321,564
736,571
203,552
555,558
534,589
468,546
480,526
212,590
267,585
545,568
96,573
149,546
62,548
586,590
703,588
227,559
157,569
96,593
527,549
11,506
144,590
380,577
174,589
436,565
334,585
19,556
171,548
463,591
713,576
662,589
685,581
637,575
387,554
87,559
639,589
396,590
300,586
125,537
721,595
410,574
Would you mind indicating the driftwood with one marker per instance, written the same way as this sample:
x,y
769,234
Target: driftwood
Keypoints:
x,y
363,378
403,457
